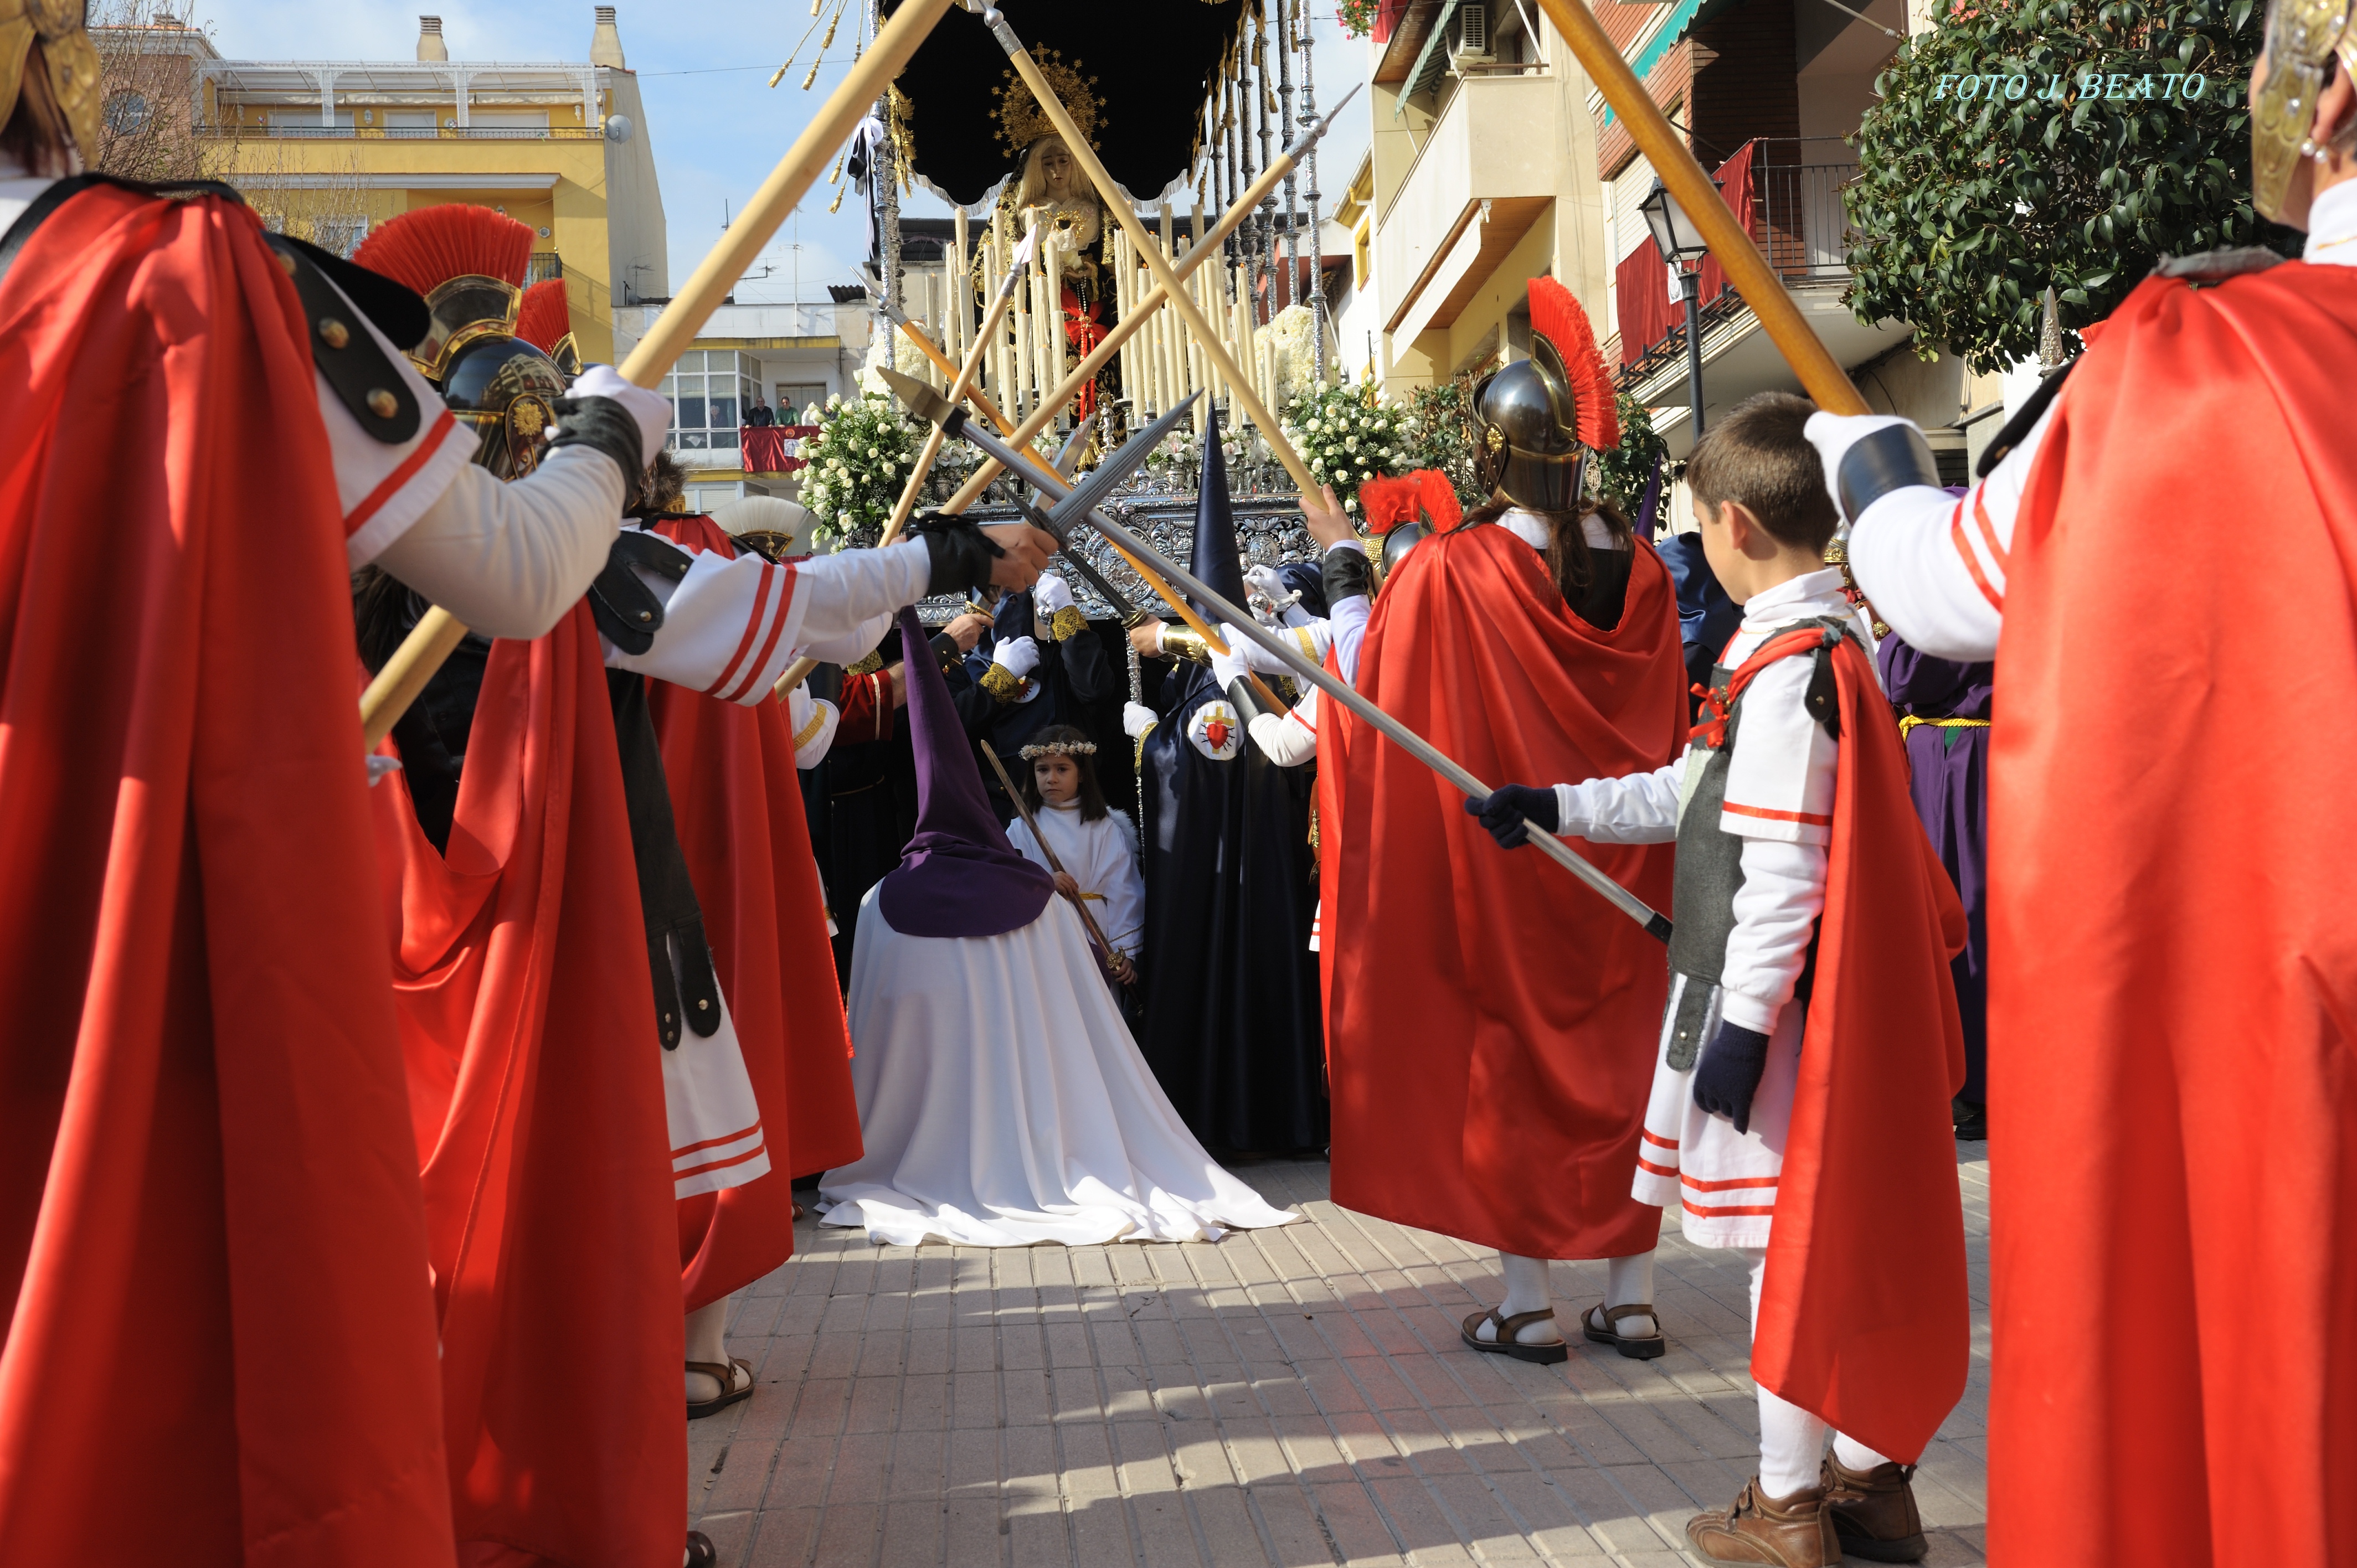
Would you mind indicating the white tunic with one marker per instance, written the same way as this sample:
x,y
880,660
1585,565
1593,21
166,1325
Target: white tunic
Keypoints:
x,y
1102,856
1779,798
1004,1104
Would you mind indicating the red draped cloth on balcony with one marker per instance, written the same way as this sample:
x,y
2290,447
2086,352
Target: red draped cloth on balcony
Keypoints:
x,y
765,449
1650,310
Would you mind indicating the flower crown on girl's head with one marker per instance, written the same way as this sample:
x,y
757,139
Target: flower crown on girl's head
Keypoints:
x,y
1059,749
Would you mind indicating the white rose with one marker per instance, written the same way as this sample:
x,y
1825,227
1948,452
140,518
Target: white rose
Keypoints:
x,y
1364,475
1351,505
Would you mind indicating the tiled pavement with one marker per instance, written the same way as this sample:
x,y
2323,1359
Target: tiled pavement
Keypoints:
x,y
1283,1397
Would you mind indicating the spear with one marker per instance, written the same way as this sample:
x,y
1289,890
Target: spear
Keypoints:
x,y
438,632
1078,508
1731,244
1016,267
1206,246
1096,933
1240,385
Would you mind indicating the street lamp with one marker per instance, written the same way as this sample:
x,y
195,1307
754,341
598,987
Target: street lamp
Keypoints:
x,y
1680,242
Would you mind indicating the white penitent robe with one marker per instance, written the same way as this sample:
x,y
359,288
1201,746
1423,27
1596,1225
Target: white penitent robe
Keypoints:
x,y
1004,1104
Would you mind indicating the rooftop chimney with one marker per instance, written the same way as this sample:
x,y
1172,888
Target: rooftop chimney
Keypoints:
x,y
606,44
429,38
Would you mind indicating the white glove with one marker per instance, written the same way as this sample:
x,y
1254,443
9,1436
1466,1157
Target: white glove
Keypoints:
x,y
1833,435
378,767
1252,654
1050,595
651,409
1230,666
1137,718
1018,656
1265,578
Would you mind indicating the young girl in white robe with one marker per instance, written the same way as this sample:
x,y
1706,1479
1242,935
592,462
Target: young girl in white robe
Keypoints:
x,y
1095,845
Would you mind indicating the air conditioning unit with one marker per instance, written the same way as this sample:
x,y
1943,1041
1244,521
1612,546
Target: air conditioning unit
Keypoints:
x,y
1469,44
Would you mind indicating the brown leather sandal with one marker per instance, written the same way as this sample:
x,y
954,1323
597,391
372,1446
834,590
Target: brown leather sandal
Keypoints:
x,y
701,1553
1546,1354
726,1376
1636,1346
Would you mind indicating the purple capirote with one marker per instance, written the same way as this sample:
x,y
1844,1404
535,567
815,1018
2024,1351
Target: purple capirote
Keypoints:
x,y
1948,768
958,877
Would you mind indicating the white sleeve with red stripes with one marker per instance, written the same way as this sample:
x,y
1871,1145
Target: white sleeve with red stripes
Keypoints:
x,y
813,721
1934,565
385,488
1288,739
509,558
731,625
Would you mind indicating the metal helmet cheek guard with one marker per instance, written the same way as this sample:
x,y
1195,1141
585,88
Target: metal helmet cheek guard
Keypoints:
x,y
506,390
2303,36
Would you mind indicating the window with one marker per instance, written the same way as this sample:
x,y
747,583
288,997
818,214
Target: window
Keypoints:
x,y
526,123
340,235
794,398
303,122
127,114
710,391
410,122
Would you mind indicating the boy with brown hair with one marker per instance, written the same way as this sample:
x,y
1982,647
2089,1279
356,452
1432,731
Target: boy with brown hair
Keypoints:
x,y
1799,1112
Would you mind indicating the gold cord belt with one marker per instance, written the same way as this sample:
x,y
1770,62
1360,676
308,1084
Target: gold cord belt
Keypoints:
x,y
1907,722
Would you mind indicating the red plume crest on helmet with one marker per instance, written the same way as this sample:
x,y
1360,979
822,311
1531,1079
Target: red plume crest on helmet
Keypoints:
x,y
544,318
1386,503
1556,315
426,249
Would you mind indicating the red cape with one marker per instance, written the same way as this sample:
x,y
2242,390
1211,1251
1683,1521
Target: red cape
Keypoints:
x,y
527,1016
737,798
2173,966
223,1345
1491,1022
1865,1316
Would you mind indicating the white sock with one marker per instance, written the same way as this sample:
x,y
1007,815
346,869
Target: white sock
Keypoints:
x,y
1791,1441
1628,1281
707,1340
1855,1455
1526,1290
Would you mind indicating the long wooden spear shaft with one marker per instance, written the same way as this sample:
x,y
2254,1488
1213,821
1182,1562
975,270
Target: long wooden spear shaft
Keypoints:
x,y
1016,269
1097,932
437,632
1826,383
1206,246
1240,385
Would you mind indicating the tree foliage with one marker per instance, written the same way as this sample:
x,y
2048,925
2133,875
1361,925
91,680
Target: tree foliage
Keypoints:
x,y
1992,167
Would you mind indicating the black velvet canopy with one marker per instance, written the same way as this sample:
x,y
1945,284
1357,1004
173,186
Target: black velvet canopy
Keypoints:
x,y
1153,64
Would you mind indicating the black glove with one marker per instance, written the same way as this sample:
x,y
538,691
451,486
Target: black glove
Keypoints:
x,y
1507,810
605,424
960,555
1728,1074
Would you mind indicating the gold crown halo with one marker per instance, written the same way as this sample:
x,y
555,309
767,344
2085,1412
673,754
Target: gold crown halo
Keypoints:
x,y
1021,120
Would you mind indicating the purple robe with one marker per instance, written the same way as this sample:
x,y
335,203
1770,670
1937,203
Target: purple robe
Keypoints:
x,y
1950,774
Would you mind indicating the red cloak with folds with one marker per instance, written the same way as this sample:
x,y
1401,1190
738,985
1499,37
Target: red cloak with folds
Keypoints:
x,y
2173,963
1865,1316
527,1017
737,798
221,1350
1491,1022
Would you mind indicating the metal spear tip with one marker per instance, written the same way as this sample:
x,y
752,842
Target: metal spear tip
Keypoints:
x,y
921,399
1068,456
1317,125
1118,467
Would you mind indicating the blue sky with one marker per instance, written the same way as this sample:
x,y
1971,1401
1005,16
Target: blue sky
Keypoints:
x,y
704,69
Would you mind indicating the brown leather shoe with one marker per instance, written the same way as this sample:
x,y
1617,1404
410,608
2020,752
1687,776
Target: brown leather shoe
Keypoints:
x,y
1792,1532
1873,1511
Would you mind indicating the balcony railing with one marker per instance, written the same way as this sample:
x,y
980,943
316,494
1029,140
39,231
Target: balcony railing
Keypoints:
x,y
1797,219
545,265
403,133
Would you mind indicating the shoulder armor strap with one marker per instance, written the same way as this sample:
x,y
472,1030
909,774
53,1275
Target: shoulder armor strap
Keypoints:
x,y
2009,435
625,609
349,357
62,191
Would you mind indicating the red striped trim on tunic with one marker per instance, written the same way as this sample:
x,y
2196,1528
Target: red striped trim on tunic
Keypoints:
x,y
1700,1186
752,630
390,487
1972,562
1724,1213
768,644
1659,1143
716,1143
756,1149
1988,530
1645,1164
1809,819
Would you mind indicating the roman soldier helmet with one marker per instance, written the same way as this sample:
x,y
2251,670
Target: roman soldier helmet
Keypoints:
x,y
2303,36
544,320
70,57
1537,419
470,264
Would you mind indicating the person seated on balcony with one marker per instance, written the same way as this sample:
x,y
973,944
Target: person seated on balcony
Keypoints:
x,y
761,417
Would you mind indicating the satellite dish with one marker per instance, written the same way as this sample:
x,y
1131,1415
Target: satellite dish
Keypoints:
x,y
618,127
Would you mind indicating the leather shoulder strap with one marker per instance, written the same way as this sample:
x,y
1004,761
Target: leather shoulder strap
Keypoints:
x,y
348,355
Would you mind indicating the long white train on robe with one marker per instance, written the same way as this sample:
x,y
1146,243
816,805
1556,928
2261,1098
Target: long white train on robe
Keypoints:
x,y
1004,1104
